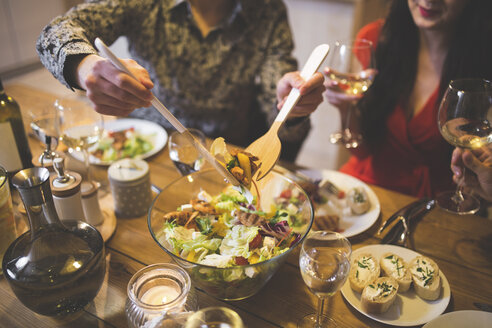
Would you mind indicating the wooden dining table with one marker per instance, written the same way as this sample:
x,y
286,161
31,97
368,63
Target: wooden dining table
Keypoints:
x,y
461,246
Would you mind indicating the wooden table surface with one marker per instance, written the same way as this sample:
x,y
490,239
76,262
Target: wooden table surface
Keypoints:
x,y
461,245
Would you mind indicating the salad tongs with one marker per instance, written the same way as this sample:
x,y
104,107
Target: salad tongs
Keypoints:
x,y
107,53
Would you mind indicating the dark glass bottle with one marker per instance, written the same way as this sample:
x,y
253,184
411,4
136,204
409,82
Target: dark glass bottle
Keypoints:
x,y
15,154
54,269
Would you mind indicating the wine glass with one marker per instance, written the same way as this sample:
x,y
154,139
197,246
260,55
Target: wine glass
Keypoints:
x,y
214,317
350,73
43,125
79,128
464,121
325,263
184,155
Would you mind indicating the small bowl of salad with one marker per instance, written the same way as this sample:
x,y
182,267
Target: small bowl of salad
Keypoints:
x,y
231,245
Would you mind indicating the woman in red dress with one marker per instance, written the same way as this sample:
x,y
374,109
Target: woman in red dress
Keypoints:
x,y
419,48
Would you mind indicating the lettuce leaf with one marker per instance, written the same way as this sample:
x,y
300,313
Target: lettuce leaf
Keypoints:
x,y
236,242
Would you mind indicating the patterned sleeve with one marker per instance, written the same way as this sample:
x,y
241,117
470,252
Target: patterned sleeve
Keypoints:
x,y
278,61
74,33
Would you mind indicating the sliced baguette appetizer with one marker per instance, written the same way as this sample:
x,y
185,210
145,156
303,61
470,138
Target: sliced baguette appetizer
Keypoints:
x,y
365,269
394,266
378,296
358,200
426,279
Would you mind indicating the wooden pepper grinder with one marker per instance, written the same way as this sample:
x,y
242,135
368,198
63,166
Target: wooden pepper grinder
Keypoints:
x,y
65,187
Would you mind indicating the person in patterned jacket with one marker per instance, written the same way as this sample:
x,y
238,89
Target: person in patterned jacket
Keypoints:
x,y
221,66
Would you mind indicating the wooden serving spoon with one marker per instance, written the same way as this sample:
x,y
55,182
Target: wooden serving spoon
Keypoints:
x,y
267,148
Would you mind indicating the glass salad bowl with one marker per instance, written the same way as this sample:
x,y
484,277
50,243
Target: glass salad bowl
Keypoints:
x,y
233,282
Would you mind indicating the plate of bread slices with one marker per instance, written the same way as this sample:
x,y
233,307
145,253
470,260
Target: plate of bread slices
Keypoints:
x,y
396,285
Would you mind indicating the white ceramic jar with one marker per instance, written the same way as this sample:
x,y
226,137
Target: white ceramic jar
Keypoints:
x,y
130,186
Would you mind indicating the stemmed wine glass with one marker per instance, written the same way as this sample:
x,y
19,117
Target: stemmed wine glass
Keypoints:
x,y
43,125
350,73
325,263
183,154
214,317
79,128
464,121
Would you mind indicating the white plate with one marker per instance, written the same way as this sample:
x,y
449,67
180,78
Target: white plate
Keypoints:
x,y
458,319
408,309
152,131
350,225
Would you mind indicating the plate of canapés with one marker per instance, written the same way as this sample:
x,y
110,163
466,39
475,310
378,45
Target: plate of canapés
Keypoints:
x,y
396,285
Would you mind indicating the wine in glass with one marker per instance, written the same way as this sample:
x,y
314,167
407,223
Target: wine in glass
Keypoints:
x,y
79,128
464,120
350,73
325,263
184,155
214,317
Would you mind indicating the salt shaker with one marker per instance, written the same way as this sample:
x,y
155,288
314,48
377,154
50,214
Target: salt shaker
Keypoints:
x,y
66,192
90,203
130,186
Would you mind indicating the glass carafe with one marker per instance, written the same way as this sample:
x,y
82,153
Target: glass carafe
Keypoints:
x,y
54,269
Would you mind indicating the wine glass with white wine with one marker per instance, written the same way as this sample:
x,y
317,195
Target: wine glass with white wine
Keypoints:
x,y
79,128
464,120
350,73
214,317
325,263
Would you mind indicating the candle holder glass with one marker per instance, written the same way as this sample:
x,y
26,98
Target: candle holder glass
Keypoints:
x,y
160,295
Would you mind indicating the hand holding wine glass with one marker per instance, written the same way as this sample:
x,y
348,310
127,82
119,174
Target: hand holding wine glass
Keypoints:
x,y
464,120
349,75
79,128
478,164
325,263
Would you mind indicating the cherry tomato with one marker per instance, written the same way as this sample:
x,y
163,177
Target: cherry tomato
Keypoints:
x,y
287,193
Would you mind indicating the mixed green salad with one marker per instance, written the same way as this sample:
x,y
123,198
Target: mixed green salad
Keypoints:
x,y
128,143
226,231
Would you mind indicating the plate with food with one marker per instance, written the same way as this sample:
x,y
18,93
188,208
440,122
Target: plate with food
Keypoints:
x,y
126,138
396,285
465,318
342,203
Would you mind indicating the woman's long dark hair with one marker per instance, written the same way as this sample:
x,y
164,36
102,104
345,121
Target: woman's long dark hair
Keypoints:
x,y
469,55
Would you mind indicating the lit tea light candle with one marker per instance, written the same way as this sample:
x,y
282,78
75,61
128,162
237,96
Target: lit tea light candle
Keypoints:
x,y
156,290
161,294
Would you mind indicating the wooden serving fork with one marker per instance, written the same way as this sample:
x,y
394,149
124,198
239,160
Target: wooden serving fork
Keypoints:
x,y
107,53
267,148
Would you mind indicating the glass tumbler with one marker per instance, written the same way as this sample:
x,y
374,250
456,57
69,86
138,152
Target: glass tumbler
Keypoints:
x,y
7,222
160,295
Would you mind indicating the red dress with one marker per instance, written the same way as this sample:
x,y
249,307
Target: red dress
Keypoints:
x,y
413,158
